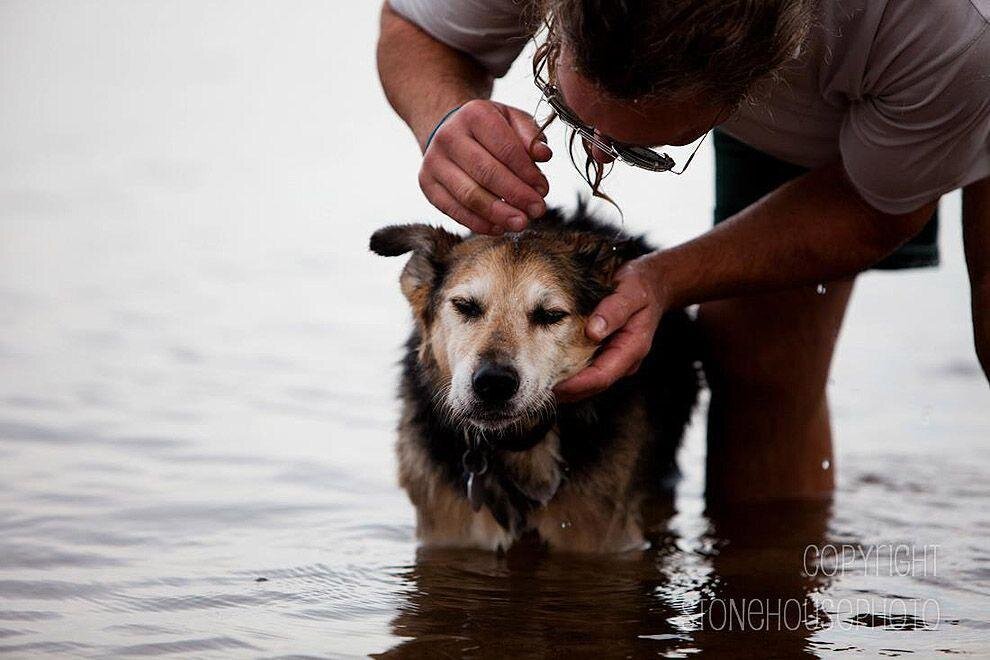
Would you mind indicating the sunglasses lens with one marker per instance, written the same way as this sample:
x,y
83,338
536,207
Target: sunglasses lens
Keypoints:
x,y
646,158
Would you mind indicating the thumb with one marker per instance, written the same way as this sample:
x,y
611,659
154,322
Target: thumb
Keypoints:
x,y
614,311
529,132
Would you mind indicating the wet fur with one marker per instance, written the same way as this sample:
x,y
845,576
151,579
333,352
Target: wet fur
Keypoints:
x,y
581,484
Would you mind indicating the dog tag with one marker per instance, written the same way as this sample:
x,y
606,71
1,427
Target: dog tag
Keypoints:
x,y
476,492
476,464
474,461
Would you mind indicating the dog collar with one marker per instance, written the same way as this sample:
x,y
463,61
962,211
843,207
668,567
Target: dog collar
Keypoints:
x,y
475,461
525,441
488,485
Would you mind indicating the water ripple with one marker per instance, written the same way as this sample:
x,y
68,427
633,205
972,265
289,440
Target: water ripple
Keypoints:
x,y
184,646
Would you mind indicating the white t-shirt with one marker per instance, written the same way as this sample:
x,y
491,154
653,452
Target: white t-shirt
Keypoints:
x,y
898,89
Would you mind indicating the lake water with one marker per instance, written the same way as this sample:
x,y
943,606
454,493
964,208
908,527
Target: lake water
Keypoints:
x,y
197,368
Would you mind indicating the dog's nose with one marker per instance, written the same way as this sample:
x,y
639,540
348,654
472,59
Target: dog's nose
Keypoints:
x,y
495,383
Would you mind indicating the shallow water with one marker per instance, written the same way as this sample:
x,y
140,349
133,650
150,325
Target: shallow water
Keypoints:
x,y
196,402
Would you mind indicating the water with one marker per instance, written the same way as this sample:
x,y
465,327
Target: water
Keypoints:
x,y
197,357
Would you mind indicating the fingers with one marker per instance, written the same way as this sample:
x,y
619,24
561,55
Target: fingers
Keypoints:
x,y
615,362
493,131
629,297
474,198
632,313
496,178
528,130
621,357
446,203
478,171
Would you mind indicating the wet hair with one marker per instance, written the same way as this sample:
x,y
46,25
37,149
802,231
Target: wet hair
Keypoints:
x,y
719,50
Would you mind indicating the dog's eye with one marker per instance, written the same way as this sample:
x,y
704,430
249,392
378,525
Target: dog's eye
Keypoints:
x,y
546,317
469,308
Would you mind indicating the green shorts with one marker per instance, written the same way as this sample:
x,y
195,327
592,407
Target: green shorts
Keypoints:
x,y
743,175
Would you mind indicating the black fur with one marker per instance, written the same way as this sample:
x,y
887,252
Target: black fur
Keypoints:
x,y
668,378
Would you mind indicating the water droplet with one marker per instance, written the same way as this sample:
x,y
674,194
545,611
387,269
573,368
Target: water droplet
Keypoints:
x,y
820,290
564,524
826,464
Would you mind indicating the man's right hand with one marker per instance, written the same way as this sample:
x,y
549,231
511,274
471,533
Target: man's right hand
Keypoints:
x,y
480,171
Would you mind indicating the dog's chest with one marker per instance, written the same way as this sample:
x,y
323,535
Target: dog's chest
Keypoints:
x,y
564,517
539,471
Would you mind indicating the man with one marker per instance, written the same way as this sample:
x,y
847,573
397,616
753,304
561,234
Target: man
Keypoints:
x,y
842,122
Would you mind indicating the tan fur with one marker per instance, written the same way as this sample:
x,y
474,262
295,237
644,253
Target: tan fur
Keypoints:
x,y
479,268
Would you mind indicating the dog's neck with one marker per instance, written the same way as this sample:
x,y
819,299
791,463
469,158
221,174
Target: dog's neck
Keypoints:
x,y
512,474
514,438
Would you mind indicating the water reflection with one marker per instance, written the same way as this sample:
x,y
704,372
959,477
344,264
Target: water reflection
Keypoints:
x,y
760,596
661,601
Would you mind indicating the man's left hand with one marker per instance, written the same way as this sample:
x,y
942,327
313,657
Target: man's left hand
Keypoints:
x,y
629,318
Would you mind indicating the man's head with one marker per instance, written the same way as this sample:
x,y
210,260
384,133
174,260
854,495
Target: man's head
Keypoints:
x,y
663,72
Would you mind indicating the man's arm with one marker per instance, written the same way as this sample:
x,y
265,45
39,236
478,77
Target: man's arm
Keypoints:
x,y
811,230
480,168
424,78
976,237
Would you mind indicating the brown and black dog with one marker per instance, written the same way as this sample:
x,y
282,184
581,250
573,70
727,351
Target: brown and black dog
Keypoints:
x,y
485,452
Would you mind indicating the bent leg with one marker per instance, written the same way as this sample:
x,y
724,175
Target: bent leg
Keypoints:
x,y
976,238
767,363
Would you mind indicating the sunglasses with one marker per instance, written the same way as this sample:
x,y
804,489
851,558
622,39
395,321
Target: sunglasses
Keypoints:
x,y
642,157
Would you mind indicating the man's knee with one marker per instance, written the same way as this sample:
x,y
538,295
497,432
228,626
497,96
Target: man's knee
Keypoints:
x,y
768,373
767,382
773,350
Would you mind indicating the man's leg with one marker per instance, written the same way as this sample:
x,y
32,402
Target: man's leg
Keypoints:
x,y
767,363
976,238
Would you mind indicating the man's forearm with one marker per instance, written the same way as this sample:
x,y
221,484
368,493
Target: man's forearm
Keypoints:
x,y
976,237
422,77
814,229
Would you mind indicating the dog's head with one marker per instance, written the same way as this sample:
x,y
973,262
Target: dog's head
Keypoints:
x,y
501,319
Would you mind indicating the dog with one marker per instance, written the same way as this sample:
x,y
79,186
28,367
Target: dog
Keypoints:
x,y
485,453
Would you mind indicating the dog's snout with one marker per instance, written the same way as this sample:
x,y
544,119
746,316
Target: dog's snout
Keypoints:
x,y
495,383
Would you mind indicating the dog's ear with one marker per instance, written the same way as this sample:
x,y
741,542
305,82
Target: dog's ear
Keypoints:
x,y
597,259
430,247
601,257
395,240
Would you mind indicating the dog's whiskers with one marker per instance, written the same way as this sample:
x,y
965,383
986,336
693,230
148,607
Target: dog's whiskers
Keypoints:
x,y
449,415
